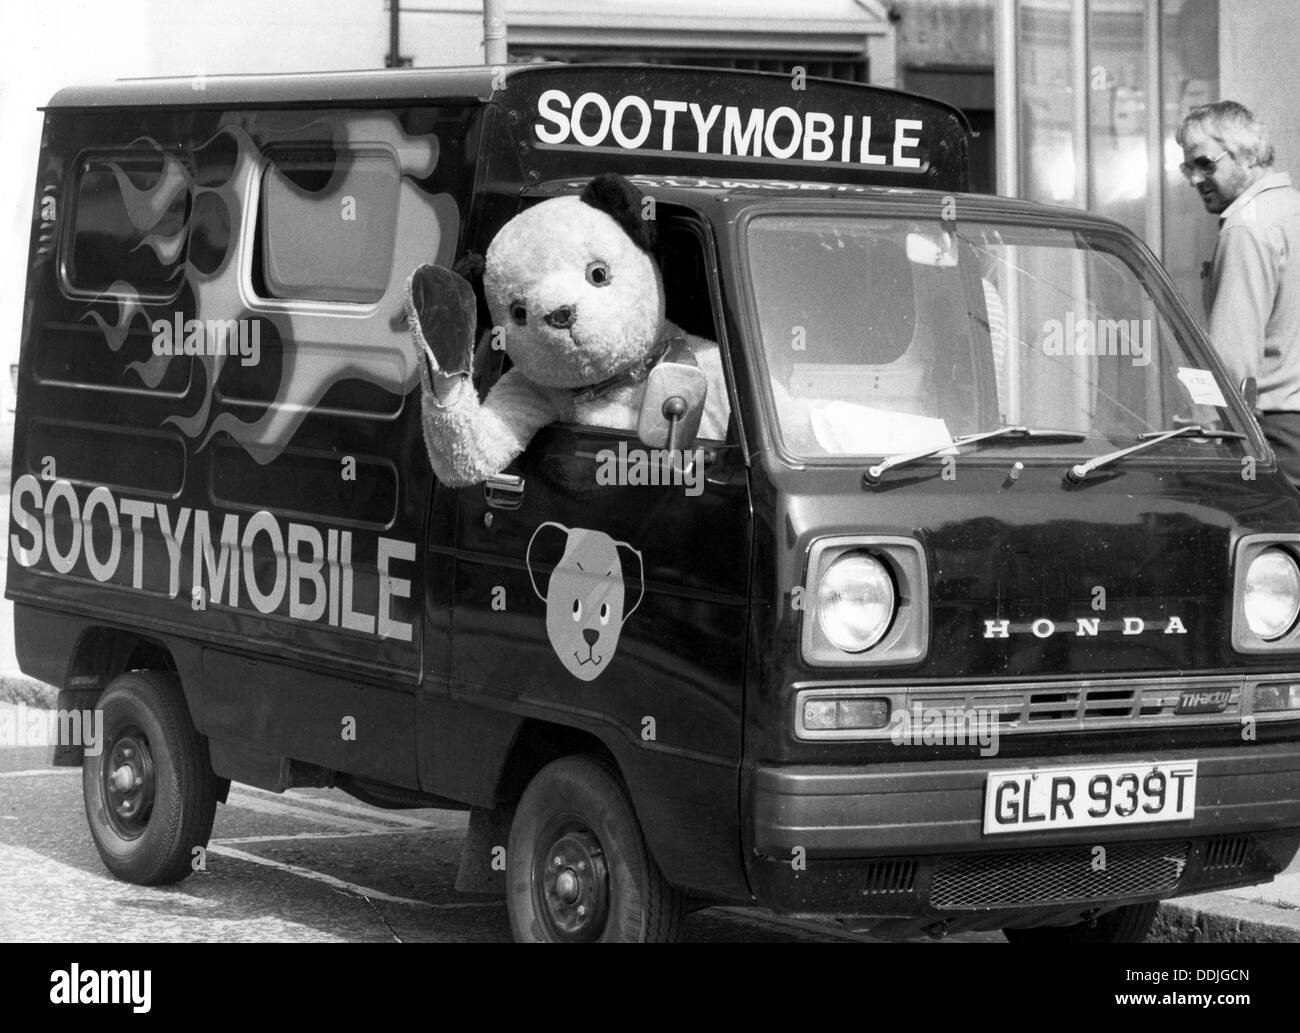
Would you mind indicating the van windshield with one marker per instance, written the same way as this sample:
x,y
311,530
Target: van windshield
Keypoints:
x,y
885,336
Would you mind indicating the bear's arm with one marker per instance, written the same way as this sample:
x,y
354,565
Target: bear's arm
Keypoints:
x,y
469,441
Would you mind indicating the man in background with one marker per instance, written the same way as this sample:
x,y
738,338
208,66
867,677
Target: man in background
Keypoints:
x,y
1252,285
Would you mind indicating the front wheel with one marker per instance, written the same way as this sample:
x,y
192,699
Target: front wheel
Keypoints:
x,y
150,792
579,870
1129,924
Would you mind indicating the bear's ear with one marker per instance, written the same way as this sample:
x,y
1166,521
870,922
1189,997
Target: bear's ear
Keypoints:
x,y
621,201
470,266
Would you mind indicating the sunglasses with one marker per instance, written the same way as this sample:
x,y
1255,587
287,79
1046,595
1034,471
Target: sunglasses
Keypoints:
x,y
1203,165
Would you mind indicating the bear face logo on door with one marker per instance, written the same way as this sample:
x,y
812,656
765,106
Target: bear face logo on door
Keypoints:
x,y
585,598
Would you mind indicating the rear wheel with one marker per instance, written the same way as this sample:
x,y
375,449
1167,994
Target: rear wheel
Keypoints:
x,y
150,793
1129,924
579,869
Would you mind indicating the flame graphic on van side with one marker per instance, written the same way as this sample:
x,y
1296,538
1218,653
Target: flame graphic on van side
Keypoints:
x,y
147,208
128,307
322,343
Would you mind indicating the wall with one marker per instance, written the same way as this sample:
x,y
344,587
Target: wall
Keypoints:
x,y
1257,67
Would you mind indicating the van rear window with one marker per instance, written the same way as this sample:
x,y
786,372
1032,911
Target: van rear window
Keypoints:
x,y
128,225
328,220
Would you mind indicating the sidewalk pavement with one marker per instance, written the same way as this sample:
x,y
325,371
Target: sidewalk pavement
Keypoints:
x,y
1254,914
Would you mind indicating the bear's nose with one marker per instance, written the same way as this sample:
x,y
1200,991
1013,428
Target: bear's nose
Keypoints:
x,y
519,314
562,318
590,635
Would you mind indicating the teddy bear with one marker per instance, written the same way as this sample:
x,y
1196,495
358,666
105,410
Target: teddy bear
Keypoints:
x,y
576,299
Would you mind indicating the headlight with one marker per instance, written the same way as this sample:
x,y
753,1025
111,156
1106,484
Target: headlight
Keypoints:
x,y
856,601
1272,597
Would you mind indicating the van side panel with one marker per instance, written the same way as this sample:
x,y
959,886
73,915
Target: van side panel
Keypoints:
x,y
217,437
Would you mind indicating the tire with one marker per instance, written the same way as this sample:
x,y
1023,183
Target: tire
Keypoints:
x,y
151,793
606,886
1128,924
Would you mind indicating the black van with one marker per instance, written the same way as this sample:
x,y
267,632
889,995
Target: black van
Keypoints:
x,y
983,615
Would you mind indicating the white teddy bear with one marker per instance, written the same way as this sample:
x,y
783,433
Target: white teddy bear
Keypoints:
x,y
575,293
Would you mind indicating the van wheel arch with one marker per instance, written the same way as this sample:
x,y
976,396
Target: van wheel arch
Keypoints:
x,y
537,744
102,653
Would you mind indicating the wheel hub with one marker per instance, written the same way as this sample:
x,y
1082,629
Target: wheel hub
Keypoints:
x,y
575,887
129,783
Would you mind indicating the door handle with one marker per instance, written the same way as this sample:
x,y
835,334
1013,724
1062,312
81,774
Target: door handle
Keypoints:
x,y
504,491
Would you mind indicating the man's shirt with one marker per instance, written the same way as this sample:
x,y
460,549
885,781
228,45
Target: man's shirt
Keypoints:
x,y
1252,293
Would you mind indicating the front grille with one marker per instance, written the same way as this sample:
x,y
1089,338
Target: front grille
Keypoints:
x,y
1081,706
890,877
1226,853
1056,707
1070,875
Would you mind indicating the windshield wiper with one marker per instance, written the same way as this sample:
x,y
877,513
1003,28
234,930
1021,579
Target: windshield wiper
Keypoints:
x,y
874,473
1081,470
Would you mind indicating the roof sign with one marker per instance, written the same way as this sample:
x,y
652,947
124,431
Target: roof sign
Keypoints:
x,y
632,122
567,120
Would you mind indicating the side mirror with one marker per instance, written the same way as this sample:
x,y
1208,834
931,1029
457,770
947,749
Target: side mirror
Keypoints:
x,y
672,406
1250,392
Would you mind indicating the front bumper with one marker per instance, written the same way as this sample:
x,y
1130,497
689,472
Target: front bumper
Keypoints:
x,y
907,840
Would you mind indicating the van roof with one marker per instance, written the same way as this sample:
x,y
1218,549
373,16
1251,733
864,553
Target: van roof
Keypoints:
x,y
558,119
470,82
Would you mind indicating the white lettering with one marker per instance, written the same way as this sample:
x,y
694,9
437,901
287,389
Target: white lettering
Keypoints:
x,y
352,619
102,570
205,556
26,486
703,125
575,120
63,562
734,141
901,140
216,559
550,105
817,129
263,522
389,586
643,109
796,132
137,511
670,108
865,157
308,570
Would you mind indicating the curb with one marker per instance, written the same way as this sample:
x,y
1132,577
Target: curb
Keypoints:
x,y
1220,918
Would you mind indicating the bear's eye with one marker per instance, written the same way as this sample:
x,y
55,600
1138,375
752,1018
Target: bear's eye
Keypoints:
x,y
577,609
519,313
604,613
598,274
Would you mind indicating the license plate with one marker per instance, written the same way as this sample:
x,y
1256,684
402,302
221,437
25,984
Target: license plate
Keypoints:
x,y
1036,799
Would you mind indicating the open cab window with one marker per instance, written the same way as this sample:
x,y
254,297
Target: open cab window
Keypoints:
x,y
886,336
